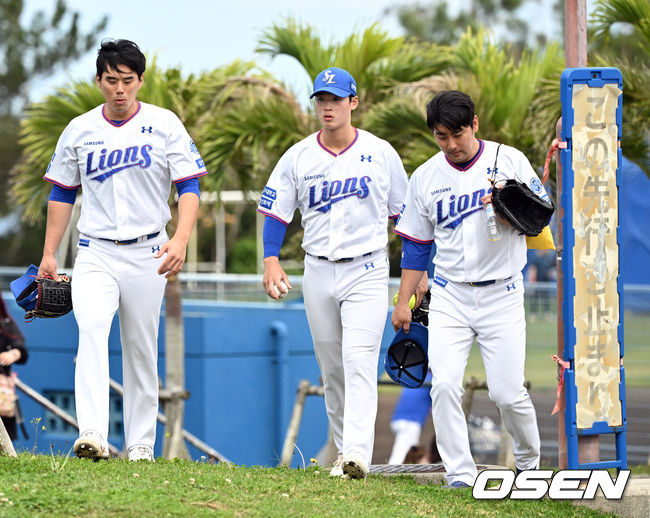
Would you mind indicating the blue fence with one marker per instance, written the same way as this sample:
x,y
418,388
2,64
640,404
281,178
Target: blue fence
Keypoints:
x,y
244,362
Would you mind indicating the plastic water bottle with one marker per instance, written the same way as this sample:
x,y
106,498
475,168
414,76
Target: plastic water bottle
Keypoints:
x,y
493,232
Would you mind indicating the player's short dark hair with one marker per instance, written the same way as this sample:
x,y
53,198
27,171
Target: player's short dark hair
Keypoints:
x,y
451,108
114,53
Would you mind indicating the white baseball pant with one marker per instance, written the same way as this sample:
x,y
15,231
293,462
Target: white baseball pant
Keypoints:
x,y
346,305
495,316
407,434
106,278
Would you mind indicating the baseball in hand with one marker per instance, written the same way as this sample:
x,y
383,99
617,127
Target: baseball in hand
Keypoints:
x,y
279,292
411,300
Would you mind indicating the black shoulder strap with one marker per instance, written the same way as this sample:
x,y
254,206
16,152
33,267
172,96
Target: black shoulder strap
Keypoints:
x,y
494,169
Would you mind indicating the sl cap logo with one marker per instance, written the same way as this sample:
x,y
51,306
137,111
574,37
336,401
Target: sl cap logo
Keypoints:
x,y
328,77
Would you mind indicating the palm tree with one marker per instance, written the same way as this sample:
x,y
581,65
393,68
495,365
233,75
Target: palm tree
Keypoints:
x,y
502,88
634,15
254,119
633,12
376,60
248,120
41,127
251,119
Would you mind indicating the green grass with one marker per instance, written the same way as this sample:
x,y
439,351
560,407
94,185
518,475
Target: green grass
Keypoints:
x,y
541,371
58,486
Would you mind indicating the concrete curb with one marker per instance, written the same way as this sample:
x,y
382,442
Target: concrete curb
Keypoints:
x,y
421,473
634,504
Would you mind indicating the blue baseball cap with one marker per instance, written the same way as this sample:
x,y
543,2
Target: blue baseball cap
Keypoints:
x,y
24,289
335,81
406,361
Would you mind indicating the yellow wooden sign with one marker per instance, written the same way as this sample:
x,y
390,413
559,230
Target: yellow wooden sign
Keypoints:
x,y
596,255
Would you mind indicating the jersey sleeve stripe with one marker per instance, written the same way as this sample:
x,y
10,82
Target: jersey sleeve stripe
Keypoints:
x,y
394,216
410,238
197,175
273,216
61,184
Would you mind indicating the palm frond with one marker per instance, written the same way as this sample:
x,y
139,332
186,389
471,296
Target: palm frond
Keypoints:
x,y
360,50
203,94
412,62
44,122
40,130
401,119
633,12
297,40
503,89
635,140
244,138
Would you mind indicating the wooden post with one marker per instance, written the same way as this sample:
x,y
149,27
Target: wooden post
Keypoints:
x,y
575,33
506,455
575,48
561,433
304,389
468,396
6,446
174,402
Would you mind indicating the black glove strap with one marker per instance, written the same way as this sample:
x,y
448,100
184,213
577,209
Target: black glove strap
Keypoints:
x,y
494,169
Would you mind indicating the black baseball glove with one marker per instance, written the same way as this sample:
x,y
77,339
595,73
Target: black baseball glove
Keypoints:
x,y
46,298
522,208
421,313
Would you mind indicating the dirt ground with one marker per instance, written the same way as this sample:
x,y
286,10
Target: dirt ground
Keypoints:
x,y
638,421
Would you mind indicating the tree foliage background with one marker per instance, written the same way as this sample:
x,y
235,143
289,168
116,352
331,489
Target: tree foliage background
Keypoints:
x,y
30,51
243,119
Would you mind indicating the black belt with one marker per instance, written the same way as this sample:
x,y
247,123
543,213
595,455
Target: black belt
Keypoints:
x,y
131,241
341,260
485,283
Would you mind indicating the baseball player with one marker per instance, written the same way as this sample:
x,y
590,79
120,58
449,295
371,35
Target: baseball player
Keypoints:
x,y
477,290
125,154
347,183
408,419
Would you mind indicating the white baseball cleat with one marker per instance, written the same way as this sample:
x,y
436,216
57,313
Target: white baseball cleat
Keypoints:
x,y
89,446
337,470
140,453
354,466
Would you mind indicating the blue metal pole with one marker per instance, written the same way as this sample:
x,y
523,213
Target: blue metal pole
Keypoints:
x,y
280,332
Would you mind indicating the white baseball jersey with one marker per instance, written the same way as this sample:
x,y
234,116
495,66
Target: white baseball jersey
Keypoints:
x,y
443,203
125,171
345,199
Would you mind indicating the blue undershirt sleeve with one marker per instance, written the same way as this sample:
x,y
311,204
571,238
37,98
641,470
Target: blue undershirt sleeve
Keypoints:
x,y
58,193
272,236
189,185
415,256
